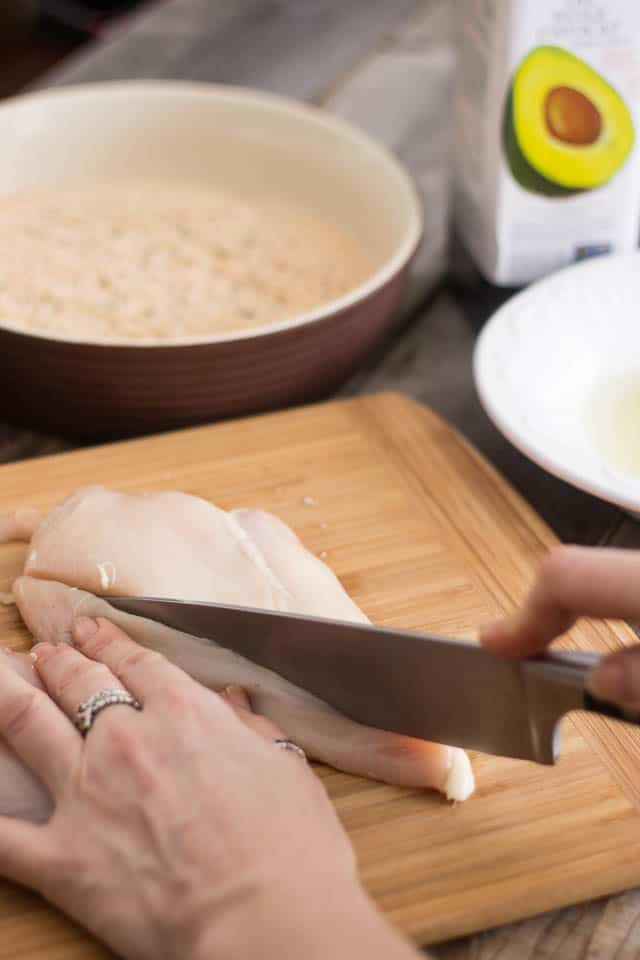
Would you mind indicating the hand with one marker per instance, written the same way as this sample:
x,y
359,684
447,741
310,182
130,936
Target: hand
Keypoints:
x,y
178,830
574,582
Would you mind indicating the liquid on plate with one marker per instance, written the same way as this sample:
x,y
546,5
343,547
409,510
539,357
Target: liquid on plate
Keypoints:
x,y
614,422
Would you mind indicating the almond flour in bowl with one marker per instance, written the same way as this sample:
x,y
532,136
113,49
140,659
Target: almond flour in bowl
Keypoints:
x,y
257,258
137,259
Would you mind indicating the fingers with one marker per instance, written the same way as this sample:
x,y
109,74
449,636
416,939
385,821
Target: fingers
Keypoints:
x,y
23,852
69,677
36,730
238,700
618,679
141,671
24,666
573,582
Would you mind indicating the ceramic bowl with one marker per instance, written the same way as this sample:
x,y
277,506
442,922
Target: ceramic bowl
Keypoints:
x,y
225,136
557,369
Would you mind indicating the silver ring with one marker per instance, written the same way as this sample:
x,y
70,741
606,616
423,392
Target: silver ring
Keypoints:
x,y
87,712
290,745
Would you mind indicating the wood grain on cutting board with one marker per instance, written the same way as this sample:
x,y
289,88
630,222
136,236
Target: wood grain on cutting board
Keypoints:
x,y
424,535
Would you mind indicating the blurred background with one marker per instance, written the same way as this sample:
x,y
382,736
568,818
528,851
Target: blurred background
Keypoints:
x,y
36,34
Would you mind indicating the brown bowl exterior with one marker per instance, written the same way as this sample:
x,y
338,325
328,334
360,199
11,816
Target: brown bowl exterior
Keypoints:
x,y
95,392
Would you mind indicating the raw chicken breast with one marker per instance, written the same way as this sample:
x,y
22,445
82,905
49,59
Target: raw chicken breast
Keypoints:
x,y
176,545
19,525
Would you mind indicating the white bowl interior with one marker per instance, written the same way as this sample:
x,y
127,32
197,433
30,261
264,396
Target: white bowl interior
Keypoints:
x,y
247,141
558,370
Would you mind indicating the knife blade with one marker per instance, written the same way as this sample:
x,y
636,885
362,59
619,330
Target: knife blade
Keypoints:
x,y
422,685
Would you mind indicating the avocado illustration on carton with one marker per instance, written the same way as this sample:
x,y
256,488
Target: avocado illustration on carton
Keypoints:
x,y
547,168
565,129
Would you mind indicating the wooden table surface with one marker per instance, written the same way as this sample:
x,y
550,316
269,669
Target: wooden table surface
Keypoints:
x,y
386,66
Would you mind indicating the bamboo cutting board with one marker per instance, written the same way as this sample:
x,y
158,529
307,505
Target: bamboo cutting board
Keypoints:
x,y
424,535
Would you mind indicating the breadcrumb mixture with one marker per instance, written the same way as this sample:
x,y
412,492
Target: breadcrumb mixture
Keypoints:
x,y
132,259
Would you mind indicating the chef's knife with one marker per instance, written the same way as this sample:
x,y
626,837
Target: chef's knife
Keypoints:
x,y
426,686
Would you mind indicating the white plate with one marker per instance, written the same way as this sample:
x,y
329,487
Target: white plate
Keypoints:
x,y
558,371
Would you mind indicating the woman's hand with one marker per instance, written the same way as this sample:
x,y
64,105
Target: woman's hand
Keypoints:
x,y
179,831
574,582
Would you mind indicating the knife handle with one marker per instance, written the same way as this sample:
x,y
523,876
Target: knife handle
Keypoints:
x,y
608,709
565,677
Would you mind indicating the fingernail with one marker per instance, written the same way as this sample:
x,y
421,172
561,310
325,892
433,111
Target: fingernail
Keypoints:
x,y
237,696
38,649
607,681
494,629
83,629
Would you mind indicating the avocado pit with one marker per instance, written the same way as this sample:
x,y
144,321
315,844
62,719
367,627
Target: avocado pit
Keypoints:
x,y
572,117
